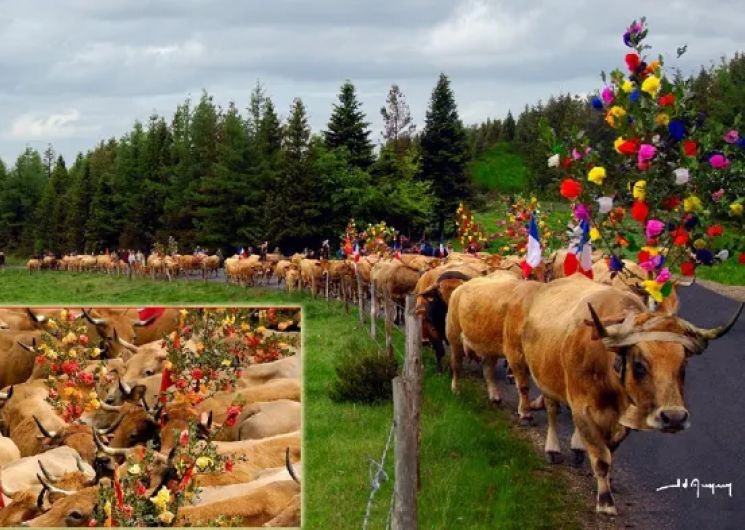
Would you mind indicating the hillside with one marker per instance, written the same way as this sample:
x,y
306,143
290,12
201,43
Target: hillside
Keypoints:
x,y
500,168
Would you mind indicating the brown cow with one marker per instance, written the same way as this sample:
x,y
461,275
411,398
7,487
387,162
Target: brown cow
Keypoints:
x,y
17,356
614,363
155,328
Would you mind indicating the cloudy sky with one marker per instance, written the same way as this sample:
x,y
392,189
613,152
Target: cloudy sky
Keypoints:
x,y
77,71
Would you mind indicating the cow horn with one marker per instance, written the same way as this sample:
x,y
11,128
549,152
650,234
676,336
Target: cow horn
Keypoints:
x,y
128,345
144,404
4,395
288,464
45,432
79,463
124,387
45,471
29,348
51,488
119,451
94,321
40,498
111,428
143,323
39,319
596,320
715,333
110,408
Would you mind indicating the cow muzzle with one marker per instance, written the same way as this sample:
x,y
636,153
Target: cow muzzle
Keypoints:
x,y
670,419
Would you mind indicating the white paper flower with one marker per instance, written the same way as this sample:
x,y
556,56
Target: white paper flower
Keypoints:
x,y
682,176
606,204
553,161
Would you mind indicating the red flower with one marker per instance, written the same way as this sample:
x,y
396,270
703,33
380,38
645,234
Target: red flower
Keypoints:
x,y
680,237
640,211
86,378
229,465
715,230
687,268
566,162
629,147
667,100
570,189
176,341
140,488
92,523
232,415
70,367
741,258
40,359
670,203
632,61
213,374
197,373
83,339
690,148
181,384
643,256
184,438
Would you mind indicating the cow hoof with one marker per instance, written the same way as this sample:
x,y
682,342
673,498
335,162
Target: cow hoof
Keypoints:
x,y
606,509
526,420
578,457
495,401
554,457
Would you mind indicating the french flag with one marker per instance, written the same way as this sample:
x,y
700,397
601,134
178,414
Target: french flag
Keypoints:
x,y
579,258
533,256
356,252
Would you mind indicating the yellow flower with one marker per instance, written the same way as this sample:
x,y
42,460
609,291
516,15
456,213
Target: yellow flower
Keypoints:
x,y
225,362
52,324
203,462
596,175
63,315
245,327
168,365
68,391
615,113
261,329
166,517
640,190
735,209
617,143
73,353
95,352
184,312
594,234
134,469
653,251
662,118
654,289
627,86
69,338
699,244
692,204
162,499
651,85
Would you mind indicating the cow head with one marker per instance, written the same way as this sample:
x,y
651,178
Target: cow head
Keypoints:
x,y
136,425
115,332
79,437
651,355
75,509
23,506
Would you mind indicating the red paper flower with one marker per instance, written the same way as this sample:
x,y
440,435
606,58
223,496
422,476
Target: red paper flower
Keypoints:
x,y
642,256
140,488
690,148
570,189
629,147
183,438
181,384
197,373
70,367
715,230
640,211
86,378
83,340
566,162
666,100
229,465
741,258
632,61
40,359
670,203
687,268
680,237
232,415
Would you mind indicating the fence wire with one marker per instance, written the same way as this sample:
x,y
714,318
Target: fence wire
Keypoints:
x,y
378,476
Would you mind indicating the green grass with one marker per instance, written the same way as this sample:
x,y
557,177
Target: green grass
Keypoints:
x,y
501,169
730,272
476,473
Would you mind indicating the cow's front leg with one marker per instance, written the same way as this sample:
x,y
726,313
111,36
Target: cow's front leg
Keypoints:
x,y
600,459
578,447
491,384
552,447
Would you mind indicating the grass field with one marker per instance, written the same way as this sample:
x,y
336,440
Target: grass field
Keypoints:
x,y
500,169
476,471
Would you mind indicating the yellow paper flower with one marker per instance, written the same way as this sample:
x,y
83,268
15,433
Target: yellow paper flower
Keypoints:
x,y
225,362
203,462
594,234
617,143
640,190
63,314
596,175
166,517
692,204
615,113
73,353
261,329
52,324
654,289
95,352
662,119
735,209
651,85
653,251
162,499
627,86
134,469
69,338
699,244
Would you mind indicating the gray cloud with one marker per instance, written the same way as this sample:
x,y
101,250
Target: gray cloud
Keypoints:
x,y
77,71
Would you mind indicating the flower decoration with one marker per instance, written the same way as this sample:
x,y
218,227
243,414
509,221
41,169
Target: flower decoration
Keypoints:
x,y
470,232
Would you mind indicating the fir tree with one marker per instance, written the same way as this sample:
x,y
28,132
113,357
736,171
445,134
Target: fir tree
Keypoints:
x,y
398,127
347,128
50,213
508,127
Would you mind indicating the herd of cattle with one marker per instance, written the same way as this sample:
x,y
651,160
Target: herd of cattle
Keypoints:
x,y
51,470
155,266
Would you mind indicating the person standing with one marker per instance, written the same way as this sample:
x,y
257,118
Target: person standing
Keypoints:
x,y
263,249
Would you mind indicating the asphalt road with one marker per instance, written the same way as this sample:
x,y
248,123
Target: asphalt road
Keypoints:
x,y
711,450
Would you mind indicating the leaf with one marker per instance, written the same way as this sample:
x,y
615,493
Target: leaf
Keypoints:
x,y
667,289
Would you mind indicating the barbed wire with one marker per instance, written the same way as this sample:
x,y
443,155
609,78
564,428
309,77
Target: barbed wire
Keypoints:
x,y
378,475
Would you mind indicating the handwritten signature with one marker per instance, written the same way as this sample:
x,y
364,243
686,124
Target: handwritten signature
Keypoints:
x,y
696,484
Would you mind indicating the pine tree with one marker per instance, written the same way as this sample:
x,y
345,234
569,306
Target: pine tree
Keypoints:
x,y
256,108
444,153
78,200
269,131
101,227
398,126
50,213
347,128
19,198
508,127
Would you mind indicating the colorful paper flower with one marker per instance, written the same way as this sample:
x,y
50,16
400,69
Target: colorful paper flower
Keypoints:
x,y
597,103
719,161
647,152
677,130
582,212
692,204
553,160
735,209
654,228
596,175
651,85
570,189
731,136
634,96
682,176
715,230
639,191
690,147
632,61
607,95
614,115
639,211
717,195
605,204
667,100
627,86
687,268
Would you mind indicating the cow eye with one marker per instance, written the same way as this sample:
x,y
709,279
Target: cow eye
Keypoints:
x,y
639,370
148,372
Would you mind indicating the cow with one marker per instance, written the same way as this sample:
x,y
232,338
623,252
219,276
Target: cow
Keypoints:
x,y
8,451
268,418
17,356
292,277
33,265
23,474
310,275
623,367
258,374
281,268
22,506
210,264
156,327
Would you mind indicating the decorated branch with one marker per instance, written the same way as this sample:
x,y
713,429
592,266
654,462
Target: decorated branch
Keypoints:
x,y
512,232
470,232
649,191
376,237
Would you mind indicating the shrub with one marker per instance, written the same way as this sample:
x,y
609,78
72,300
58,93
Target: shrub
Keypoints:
x,y
363,374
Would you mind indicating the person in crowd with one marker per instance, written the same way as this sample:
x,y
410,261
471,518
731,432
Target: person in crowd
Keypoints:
x,y
263,249
325,249
2,261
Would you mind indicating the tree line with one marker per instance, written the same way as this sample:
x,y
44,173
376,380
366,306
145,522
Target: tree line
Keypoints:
x,y
225,177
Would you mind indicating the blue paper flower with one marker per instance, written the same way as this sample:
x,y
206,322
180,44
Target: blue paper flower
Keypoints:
x,y
677,130
705,256
616,264
690,223
634,96
597,103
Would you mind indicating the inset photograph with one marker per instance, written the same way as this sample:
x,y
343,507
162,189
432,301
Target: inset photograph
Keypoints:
x,y
150,417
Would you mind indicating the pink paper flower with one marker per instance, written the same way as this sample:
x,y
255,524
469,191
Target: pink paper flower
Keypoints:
x,y
663,276
717,195
719,161
648,265
582,212
654,228
647,152
608,97
731,136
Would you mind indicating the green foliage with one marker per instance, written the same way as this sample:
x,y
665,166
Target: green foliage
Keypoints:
x,y
500,169
363,374
347,128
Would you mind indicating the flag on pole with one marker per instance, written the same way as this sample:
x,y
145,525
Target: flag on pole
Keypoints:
x,y
533,256
579,257
356,252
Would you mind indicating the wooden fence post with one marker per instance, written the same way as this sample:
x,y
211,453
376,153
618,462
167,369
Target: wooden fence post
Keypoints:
x,y
360,297
373,324
388,313
328,274
407,389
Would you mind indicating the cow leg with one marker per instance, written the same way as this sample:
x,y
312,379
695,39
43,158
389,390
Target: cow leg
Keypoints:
x,y
491,384
522,379
456,360
578,448
552,448
538,403
600,459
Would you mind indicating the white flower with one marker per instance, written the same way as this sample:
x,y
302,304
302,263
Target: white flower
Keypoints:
x,y
682,176
553,161
722,255
606,204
